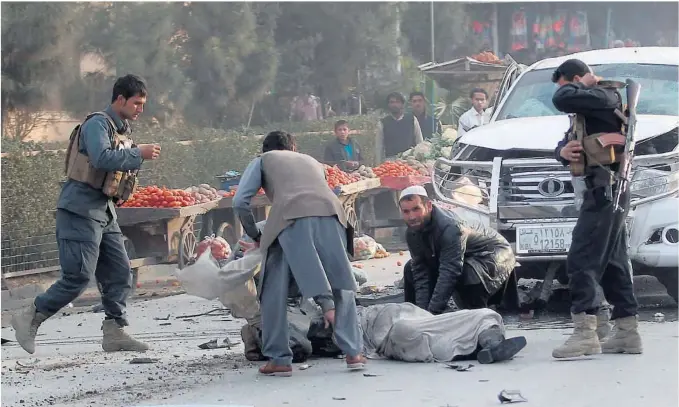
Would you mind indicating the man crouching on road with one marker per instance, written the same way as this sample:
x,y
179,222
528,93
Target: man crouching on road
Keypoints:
x,y
88,236
305,236
449,257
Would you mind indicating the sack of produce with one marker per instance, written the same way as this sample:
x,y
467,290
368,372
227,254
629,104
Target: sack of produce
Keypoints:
x,y
219,247
364,248
239,292
200,278
381,252
233,284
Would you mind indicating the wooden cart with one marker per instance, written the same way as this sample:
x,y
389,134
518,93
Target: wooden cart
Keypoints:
x,y
160,235
222,221
382,211
349,194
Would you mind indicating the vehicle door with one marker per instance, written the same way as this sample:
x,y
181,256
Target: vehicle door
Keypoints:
x,y
511,75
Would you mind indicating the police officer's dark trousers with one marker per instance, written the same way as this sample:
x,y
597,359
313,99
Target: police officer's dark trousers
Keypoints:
x,y
89,248
599,255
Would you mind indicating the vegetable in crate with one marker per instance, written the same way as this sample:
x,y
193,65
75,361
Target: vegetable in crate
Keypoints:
x,y
155,197
396,168
365,172
203,193
337,177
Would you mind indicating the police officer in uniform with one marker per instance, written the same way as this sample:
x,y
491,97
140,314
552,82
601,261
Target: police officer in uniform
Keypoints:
x,y
598,252
88,236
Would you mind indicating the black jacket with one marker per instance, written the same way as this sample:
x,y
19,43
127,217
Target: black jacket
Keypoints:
x,y
336,154
596,104
446,246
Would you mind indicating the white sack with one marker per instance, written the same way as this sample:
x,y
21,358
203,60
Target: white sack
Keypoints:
x,y
239,292
408,333
200,278
233,284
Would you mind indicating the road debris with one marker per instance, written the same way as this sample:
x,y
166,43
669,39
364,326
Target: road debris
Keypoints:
x,y
659,317
213,344
167,318
370,375
138,361
459,368
216,311
339,398
511,396
304,367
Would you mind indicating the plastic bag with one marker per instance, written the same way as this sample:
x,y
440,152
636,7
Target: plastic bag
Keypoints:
x,y
364,248
232,284
239,292
201,278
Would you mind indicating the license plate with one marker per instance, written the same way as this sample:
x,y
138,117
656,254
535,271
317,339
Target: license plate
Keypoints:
x,y
544,238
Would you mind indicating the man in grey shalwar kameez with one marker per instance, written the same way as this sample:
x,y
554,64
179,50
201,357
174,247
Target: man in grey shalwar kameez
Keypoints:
x,y
306,236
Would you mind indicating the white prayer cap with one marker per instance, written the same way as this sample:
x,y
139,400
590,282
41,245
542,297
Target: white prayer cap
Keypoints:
x,y
414,190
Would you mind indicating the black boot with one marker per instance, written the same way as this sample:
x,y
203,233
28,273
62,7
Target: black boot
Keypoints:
x,y
495,348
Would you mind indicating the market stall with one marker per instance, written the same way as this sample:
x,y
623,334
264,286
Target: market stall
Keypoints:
x,y
160,235
222,221
482,70
380,208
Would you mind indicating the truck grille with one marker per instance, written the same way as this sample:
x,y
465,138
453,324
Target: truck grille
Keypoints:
x,y
536,185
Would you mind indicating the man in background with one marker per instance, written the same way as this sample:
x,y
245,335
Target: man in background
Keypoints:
x,y
419,105
397,132
476,116
343,151
306,108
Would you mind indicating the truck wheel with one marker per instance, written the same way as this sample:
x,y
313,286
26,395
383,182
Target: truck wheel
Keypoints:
x,y
669,278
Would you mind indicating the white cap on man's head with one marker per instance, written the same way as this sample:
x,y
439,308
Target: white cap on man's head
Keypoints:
x,y
414,190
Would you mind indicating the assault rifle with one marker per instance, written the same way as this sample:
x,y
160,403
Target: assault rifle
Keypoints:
x,y
623,175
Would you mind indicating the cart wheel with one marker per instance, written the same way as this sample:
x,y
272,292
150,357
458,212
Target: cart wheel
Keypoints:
x,y
187,246
226,231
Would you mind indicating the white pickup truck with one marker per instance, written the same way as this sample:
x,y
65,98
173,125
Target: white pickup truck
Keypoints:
x,y
505,175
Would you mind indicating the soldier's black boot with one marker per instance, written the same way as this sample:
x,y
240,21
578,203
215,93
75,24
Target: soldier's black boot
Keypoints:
x,y
495,348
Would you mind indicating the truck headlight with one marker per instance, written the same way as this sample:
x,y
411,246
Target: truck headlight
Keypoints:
x,y
648,182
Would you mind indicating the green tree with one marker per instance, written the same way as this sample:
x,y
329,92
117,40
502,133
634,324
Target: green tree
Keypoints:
x,y
230,58
138,38
452,37
37,54
326,45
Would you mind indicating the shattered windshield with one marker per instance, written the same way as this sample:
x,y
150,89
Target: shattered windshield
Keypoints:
x,y
532,95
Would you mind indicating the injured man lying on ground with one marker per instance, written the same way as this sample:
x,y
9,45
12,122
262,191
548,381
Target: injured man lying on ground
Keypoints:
x,y
400,331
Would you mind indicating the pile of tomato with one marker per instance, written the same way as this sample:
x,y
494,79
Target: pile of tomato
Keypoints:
x,y
337,177
232,192
155,197
395,169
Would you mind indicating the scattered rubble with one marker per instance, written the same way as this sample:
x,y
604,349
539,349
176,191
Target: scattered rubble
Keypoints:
x,y
511,396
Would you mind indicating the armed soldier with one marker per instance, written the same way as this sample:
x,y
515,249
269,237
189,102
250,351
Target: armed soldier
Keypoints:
x,y
101,170
598,254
